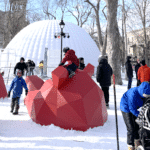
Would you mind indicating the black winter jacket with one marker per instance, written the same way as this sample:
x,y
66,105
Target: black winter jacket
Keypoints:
x,y
81,66
137,66
129,69
104,73
20,66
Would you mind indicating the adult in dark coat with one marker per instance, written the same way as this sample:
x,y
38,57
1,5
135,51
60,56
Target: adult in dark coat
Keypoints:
x,y
81,63
129,71
29,65
21,66
103,76
32,67
137,66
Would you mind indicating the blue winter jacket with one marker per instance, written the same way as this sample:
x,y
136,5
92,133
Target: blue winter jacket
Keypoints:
x,y
131,99
16,85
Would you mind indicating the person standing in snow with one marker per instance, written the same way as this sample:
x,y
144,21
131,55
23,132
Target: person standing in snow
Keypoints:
x,y
28,64
17,84
71,58
41,67
81,63
103,76
21,66
143,73
129,71
130,102
32,67
137,66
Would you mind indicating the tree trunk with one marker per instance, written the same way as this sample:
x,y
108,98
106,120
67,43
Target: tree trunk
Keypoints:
x,y
113,39
99,30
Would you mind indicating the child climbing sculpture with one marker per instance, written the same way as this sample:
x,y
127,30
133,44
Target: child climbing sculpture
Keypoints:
x,y
73,61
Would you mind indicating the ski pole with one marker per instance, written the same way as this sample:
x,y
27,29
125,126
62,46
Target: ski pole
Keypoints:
x,y
116,112
8,73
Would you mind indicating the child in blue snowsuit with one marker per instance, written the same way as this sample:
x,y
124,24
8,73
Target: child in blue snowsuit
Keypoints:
x,y
17,84
130,102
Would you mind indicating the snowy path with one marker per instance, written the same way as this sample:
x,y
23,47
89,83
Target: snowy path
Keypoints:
x,y
20,132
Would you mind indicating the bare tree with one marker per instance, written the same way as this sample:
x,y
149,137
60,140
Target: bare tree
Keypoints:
x,y
113,46
80,11
141,10
99,31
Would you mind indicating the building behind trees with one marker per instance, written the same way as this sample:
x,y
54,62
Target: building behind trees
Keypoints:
x,y
12,21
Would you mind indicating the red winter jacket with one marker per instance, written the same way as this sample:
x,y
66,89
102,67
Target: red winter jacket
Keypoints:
x,y
144,73
70,57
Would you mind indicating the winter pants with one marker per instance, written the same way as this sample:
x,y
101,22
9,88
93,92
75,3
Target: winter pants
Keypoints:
x,y
31,71
106,93
15,104
71,68
41,71
132,127
129,83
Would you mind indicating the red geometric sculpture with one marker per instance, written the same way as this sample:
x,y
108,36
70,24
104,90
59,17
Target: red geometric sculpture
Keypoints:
x,y
34,82
3,92
76,103
89,69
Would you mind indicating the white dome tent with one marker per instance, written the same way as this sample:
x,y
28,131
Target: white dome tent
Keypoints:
x,y
31,42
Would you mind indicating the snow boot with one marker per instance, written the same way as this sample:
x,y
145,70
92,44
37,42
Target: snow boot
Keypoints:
x,y
107,105
16,107
72,73
137,143
12,105
130,147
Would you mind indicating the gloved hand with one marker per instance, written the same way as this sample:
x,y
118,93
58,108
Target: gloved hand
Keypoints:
x,y
8,94
61,64
26,92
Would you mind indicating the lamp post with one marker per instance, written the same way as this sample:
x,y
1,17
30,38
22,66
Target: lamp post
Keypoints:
x,y
61,35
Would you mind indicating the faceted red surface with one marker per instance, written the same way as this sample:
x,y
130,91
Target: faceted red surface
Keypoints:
x,y
3,92
33,82
76,102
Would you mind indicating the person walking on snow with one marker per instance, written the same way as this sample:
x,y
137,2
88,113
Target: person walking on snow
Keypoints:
x,y
130,102
21,66
143,73
129,71
137,66
103,76
17,84
71,58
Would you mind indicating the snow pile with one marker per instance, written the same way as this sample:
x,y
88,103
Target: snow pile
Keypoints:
x,y
20,132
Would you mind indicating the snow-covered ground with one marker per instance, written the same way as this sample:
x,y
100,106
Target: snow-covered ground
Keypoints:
x,y
20,132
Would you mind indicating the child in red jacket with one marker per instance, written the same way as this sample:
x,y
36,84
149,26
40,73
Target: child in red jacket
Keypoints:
x,y
73,61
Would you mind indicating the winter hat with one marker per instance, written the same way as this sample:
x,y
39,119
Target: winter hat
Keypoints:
x,y
143,62
22,59
18,72
66,49
81,58
144,89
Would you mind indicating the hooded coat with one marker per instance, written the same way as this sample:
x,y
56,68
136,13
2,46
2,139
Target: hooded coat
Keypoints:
x,y
129,69
131,100
144,73
17,85
104,73
70,57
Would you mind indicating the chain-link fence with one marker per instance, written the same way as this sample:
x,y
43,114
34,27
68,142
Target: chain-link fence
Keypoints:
x,y
9,72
